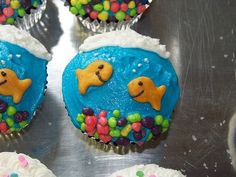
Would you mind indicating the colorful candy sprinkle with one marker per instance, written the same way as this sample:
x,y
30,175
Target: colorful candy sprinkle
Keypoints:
x,y
23,161
108,10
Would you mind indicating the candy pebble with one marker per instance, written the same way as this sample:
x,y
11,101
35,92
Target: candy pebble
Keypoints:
x,y
11,110
15,4
136,126
78,5
3,127
80,117
112,122
156,130
134,118
125,131
10,20
10,122
141,9
91,133
91,120
8,12
74,10
103,16
149,137
2,20
124,7
131,4
105,138
82,126
83,2
102,130
18,117
73,2
148,122
3,105
138,135
102,121
115,7
106,5
98,7
88,9
116,113
122,122
23,124
14,175
115,133
88,111
82,12
132,12
158,119
102,113
165,124
21,12
120,15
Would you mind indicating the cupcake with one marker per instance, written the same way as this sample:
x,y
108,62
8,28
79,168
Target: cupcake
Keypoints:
x,y
23,73
121,88
21,165
107,15
150,170
22,13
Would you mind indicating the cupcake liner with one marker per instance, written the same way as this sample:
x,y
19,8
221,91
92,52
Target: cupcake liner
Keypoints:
x,y
29,20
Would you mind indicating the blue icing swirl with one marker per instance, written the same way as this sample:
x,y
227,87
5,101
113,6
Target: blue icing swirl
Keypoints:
x,y
25,65
128,64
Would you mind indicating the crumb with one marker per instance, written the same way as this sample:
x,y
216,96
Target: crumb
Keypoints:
x,y
194,138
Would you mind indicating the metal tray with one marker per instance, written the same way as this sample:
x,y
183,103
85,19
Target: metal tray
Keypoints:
x,y
200,34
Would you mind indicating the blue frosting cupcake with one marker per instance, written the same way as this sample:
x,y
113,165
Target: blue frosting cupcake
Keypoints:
x,y
23,73
121,88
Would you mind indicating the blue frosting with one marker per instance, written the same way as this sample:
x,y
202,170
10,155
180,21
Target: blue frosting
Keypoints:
x,y
25,65
127,64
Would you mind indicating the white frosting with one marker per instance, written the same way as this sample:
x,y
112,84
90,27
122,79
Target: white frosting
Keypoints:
x,y
9,163
127,39
148,170
23,39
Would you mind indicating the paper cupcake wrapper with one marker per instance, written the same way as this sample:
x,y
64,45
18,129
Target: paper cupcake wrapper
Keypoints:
x,y
29,20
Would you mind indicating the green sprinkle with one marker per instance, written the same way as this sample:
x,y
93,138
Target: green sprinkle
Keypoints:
x,y
139,174
10,122
158,119
112,122
82,12
82,126
164,130
80,118
120,15
115,133
165,123
23,124
12,129
10,20
98,7
0,117
116,113
74,10
21,12
132,12
11,110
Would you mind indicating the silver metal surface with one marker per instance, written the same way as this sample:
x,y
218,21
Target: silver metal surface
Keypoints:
x,y
201,35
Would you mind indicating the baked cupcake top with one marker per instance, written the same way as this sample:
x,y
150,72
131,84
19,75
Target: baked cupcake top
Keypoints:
x,y
150,170
23,61
121,87
21,165
11,9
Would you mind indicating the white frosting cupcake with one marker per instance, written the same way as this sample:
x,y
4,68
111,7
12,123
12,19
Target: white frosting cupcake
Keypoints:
x,y
150,170
21,165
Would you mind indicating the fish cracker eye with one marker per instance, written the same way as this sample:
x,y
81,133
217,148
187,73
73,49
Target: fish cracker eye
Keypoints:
x,y
140,83
3,74
100,66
